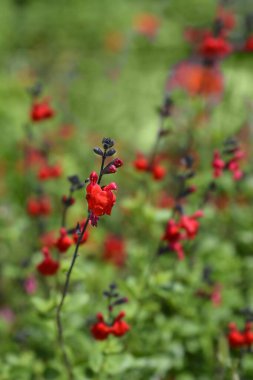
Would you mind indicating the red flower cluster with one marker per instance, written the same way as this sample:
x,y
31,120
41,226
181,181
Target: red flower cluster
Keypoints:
x,y
39,206
64,241
100,199
114,251
101,330
238,339
214,47
48,172
196,79
232,164
48,266
186,228
141,164
41,111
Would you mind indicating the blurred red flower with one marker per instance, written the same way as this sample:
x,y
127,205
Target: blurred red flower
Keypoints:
x,y
41,111
48,266
114,251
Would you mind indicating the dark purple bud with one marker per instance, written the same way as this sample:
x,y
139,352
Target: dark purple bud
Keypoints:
x,y
120,301
110,152
98,151
74,180
107,142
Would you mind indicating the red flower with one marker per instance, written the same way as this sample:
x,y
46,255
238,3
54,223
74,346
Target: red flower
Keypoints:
x,y
190,224
196,79
47,172
214,47
41,111
233,164
48,266
141,163
64,241
33,207
147,24
114,251
248,334
39,206
119,327
172,232
235,338
218,164
173,236
100,200
100,330
158,172
55,171
248,46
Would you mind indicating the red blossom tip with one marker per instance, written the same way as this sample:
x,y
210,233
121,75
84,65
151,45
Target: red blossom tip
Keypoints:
x,y
93,178
118,162
111,186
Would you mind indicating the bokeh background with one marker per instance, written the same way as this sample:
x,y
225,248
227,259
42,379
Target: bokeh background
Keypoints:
x,y
104,78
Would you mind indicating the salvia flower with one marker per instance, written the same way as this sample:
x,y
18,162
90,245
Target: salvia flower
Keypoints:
x,y
48,266
235,338
213,47
48,172
114,251
232,165
190,224
141,164
39,206
41,111
64,241
101,330
218,164
184,229
100,199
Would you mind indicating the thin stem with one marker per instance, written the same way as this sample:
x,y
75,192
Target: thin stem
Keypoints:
x,y
66,286
102,167
64,293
